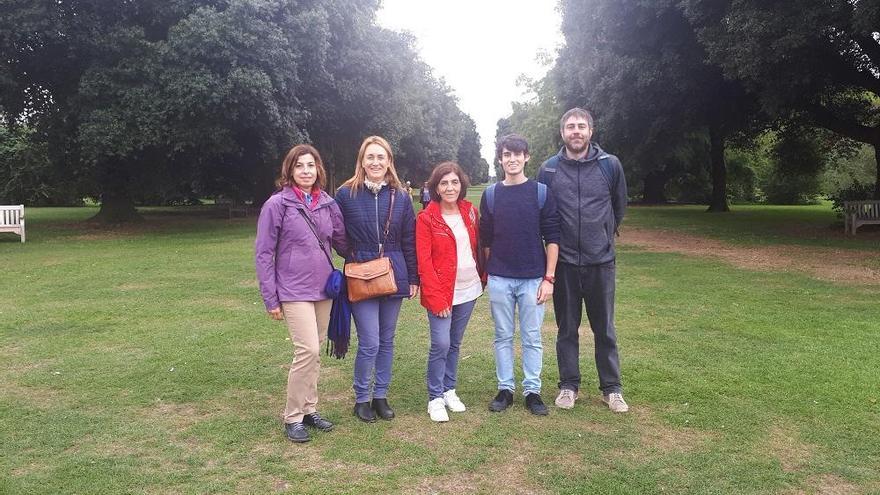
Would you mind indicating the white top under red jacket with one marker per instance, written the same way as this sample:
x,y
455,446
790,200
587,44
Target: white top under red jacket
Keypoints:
x,y
437,255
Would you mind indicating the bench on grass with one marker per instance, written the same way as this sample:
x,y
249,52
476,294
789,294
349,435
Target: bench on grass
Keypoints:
x,y
858,213
12,220
232,206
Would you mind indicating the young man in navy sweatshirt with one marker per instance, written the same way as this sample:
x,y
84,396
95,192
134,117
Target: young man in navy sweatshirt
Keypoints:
x,y
517,219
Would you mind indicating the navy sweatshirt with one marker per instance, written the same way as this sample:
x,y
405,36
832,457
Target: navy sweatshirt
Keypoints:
x,y
517,230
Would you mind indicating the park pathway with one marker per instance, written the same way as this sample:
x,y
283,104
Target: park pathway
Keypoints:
x,y
848,266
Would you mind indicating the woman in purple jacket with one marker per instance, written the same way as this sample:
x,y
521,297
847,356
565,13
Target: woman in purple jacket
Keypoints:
x,y
365,201
292,270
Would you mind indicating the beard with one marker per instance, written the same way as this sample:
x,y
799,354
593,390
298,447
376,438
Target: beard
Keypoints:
x,y
574,149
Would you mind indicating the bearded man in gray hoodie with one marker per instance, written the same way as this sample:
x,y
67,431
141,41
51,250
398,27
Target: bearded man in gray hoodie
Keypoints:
x,y
589,188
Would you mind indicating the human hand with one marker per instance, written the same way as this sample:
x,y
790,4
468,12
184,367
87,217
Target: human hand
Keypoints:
x,y
545,291
276,314
413,291
444,313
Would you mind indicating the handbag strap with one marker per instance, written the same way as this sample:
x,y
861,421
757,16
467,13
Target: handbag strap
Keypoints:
x,y
312,228
393,193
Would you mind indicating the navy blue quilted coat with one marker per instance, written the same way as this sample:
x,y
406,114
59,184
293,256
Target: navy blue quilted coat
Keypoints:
x,y
365,216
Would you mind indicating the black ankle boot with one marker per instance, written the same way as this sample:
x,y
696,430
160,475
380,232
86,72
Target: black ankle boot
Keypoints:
x,y
363,412
382,409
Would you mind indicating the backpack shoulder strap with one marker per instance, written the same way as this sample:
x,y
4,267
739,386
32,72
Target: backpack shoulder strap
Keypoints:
x,y
609,171
542,195
490,199
547,171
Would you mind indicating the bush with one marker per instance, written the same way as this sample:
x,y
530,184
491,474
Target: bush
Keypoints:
x,y
741,179
856,191
29,176
797,160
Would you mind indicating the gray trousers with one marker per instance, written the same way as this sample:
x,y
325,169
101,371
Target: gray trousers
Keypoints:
x,y
593,285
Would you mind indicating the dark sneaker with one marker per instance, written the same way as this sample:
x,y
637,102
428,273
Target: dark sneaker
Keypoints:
x,y
502,401
383,410
317,421
296,432
535,405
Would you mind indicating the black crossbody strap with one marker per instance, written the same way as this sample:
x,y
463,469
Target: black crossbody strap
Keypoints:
x,y
314,231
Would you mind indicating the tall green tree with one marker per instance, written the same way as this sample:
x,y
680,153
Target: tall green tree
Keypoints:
x,y
814,60
146,92
207,95
640,67
537,120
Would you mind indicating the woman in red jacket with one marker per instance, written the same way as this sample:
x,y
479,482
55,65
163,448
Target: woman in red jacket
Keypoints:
x,y
446,247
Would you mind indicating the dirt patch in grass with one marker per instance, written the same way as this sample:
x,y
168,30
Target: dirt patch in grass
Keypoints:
x,y
793,454
836,265
40,398
181,416
506,475
827,484
658,436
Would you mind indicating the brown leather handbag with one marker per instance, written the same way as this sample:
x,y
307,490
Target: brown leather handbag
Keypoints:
x,y
374,278
370,279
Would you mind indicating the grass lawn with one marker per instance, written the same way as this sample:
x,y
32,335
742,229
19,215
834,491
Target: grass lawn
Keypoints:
x,y
142,361
813,225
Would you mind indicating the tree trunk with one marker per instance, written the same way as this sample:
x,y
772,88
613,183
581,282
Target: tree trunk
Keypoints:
x,y
718,202
117,208
117,205
655,187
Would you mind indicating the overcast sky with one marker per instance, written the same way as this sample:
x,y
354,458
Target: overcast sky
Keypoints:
x,y
480,47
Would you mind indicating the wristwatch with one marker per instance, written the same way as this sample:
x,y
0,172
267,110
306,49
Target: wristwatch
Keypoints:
x,y
550,278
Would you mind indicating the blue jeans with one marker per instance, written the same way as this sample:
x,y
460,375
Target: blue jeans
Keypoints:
x,y
376,322
446,336
506,296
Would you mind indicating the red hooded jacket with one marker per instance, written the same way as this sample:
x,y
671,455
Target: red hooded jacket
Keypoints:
x,y
437,254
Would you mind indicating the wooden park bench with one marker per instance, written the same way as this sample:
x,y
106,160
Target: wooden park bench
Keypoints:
x,y
858,213
12,220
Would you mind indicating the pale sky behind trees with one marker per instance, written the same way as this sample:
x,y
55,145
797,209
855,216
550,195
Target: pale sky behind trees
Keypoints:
x,y
481,48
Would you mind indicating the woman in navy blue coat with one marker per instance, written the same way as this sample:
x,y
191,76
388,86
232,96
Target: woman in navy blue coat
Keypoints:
x,y
365,200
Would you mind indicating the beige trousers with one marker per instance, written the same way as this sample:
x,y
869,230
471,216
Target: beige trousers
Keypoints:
x,y
307,324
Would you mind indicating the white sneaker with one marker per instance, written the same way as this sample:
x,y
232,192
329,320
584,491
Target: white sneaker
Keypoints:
x,y
437,410
450,398
566,398
615,402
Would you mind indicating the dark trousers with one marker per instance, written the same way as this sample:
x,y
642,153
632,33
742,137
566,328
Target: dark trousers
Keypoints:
x,y
593,285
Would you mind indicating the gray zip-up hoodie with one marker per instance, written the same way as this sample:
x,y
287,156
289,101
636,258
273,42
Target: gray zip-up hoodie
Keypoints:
x,y
590,209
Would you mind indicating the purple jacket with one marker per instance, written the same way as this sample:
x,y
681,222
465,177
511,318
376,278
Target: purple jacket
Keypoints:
x,y
290,264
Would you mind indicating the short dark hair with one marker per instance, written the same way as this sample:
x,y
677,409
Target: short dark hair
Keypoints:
x,y
513,142
576,112
442,169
